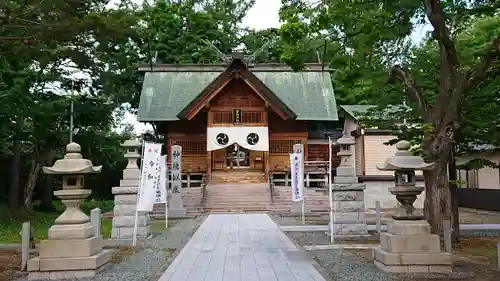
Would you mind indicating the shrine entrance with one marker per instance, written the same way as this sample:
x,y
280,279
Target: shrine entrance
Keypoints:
x,y
237,157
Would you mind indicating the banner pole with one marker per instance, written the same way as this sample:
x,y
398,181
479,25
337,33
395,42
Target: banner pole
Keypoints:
x,y
134,235
303,211
165,172
330,195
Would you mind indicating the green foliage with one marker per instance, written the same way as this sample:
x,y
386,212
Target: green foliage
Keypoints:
x,y
87,206
11,224
41,51
371,39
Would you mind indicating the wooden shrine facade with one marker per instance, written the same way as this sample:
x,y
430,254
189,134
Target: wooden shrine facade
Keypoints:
x,y
238,118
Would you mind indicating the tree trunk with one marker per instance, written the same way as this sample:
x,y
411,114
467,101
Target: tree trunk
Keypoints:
x,y
437,204
30,184
452,174
14,192
47,196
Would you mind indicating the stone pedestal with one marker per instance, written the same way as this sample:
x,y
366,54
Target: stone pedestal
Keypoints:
x,y
73,249
349,209
126,198
176,207
408,247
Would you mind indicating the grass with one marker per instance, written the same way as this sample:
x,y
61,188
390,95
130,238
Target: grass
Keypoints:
x,y
11,225
122,254
479,249
158,226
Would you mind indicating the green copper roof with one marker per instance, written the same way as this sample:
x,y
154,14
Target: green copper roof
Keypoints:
x,y
309,95
165,94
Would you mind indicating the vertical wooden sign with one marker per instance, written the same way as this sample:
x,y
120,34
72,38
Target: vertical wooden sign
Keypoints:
x,y
176,156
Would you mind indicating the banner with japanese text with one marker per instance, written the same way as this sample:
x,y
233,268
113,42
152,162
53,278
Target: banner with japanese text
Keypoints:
x,y
150,176
297,167
161,187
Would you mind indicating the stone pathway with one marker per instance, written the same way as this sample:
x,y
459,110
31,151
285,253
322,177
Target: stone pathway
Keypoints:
x,y
240,247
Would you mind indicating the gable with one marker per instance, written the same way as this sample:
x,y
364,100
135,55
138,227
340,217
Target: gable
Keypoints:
x,y
237,70
308,94
237,94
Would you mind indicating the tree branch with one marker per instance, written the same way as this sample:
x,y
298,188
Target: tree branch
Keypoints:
x,y
414,93
483,66
441,32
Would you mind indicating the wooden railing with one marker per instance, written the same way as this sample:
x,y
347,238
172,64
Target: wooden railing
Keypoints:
x,y
204,181
271,186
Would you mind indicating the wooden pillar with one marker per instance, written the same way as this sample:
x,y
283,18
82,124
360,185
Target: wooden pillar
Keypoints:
x,y
209,165
266,164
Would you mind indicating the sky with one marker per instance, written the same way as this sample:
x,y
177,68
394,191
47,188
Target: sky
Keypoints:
x,y
264,14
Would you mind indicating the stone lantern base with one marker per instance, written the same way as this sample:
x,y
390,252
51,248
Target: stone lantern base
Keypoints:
x,y
64,257
409,247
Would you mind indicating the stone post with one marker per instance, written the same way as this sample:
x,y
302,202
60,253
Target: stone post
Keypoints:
x,y
176,207
72,251
347,194
95,218
126,198
25,244
408,246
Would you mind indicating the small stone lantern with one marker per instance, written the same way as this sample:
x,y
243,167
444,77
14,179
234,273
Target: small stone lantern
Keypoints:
x,y
404,165
126,198
408,246
346,172
348,199
73,250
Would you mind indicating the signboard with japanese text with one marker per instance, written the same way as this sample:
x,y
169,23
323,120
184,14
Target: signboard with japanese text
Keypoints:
x,y
150,176
237,115
176,156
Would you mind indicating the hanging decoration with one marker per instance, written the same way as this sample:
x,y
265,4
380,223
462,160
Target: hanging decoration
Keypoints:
x,y
251,138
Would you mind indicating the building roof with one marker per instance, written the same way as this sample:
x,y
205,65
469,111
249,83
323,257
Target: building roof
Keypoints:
x,y
168,89
356,111
236,70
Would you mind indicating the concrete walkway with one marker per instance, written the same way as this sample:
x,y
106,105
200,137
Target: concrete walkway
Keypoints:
x,y
240,247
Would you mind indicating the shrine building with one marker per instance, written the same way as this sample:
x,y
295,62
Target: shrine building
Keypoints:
x,y
238,121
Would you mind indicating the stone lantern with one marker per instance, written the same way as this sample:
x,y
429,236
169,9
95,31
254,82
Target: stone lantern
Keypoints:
x,y
72,250
126,198
346,172
348,199
408,246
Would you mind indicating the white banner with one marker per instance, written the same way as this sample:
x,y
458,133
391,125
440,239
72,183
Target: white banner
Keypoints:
x,y
161,187
252,138
297,167
150,167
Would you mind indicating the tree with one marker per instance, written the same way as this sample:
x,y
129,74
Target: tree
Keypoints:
x,y
365,27
38,40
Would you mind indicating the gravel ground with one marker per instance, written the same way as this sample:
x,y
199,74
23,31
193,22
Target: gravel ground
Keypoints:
x,y
354,265
152,257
